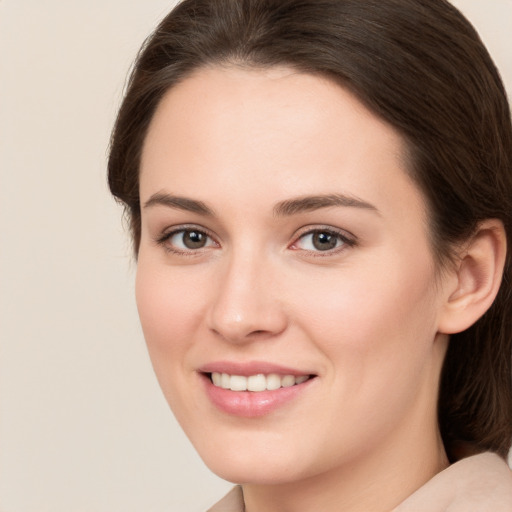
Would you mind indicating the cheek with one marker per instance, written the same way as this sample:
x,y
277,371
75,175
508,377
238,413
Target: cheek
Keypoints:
x,y
373,323
376,332
169,311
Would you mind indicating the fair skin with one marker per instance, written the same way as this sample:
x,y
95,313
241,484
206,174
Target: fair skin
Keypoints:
x,y
237,274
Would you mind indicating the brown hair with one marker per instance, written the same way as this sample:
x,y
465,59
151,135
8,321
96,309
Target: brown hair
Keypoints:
x,y
419,65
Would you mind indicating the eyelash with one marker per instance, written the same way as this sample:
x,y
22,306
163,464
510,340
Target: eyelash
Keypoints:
x,y
345,240
164,239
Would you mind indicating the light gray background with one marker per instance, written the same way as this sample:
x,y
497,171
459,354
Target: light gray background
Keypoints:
x,y
83,425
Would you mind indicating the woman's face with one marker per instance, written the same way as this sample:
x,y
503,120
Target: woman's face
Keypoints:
x,y
285,249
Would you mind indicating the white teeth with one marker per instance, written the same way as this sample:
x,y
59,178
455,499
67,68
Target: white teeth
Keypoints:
x,y
273,381
257,382
225,381
238,383
287,381
217,379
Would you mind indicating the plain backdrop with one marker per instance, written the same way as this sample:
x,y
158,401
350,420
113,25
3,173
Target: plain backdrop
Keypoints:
x,y
83,425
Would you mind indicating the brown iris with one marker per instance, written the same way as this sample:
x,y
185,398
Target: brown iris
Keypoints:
x,y
324,241
194,239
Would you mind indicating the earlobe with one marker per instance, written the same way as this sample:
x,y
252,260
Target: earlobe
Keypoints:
x,y
476,278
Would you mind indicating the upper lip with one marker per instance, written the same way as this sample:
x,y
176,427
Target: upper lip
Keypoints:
x,y
250,368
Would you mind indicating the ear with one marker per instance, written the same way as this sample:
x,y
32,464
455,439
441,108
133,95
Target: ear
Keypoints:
x,y
474,282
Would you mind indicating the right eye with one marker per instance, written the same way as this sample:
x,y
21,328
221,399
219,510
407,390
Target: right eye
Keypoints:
x,y
187,240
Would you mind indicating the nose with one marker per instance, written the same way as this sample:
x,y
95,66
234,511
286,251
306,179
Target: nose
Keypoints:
x,y
246,305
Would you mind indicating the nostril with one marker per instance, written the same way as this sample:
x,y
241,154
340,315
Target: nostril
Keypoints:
x,y
258,332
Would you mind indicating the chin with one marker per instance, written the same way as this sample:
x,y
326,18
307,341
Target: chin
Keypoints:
x,y
253,473
253,465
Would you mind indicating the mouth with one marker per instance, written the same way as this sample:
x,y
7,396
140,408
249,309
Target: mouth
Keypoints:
x,y
255,388
255,393
256,383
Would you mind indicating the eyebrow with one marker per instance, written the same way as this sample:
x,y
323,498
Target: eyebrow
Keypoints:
x,y
179,203
282,209
310,203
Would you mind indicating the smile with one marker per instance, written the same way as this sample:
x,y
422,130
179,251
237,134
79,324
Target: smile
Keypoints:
x,y
256,383
254,389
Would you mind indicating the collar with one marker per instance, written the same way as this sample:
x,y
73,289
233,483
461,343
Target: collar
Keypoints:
x,y
481,483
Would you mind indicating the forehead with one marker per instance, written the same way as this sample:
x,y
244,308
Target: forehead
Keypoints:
x,y
286,132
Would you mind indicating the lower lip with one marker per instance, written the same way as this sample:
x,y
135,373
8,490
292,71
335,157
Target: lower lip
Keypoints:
x,y
250,404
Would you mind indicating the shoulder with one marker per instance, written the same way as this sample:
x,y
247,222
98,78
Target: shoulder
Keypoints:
x,y
232,502
481,483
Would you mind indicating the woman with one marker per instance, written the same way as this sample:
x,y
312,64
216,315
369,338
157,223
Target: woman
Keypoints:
x,y
320,201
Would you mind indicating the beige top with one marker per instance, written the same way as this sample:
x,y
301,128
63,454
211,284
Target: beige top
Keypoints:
x,y
481,483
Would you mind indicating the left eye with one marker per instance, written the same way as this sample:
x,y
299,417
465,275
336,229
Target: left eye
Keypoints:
x,y
189,240
320,240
